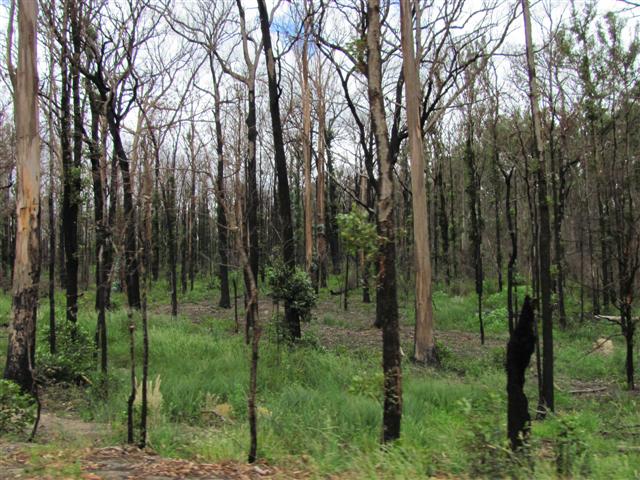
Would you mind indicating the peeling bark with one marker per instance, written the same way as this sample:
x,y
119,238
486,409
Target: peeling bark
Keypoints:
x,y
26,272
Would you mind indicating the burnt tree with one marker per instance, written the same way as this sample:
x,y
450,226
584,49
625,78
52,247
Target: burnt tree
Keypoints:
x,y
519,351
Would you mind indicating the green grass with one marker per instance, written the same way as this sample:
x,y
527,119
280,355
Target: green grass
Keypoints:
x,y
320,409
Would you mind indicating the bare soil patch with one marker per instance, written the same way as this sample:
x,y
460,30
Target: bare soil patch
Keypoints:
x,y
114,463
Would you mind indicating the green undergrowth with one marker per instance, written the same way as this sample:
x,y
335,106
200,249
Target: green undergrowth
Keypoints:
x,y
319,407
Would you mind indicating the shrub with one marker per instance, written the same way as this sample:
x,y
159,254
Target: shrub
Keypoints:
x,y
497,320
498,357
443,352
358,233
73,360
570,448
491,456
311,340
367,384
292,286
17,409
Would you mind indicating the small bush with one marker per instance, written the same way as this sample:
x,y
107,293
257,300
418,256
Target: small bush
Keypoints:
x,y
358,233
443,353
73,360
17,410
497,320
292,286
367,384
311,340
570,448
491,456
498,357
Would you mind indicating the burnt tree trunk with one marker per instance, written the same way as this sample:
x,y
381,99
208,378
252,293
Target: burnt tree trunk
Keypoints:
x,y
513,255
70,170
184,247
52,218
131,242
113,207
95,155
628,331
331,222
387,295
519,351
496,209
155,257
169,198
473,192
132,379
192,225
252,184
321,235
223,242
544,239
443,223
292,318
26,270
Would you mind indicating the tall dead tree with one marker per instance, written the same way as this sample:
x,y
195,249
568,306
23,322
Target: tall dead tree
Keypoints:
x,y
306,142
519,351
321,231
387,295
169,198
51,202
26,270
223,242
513,254
424,343
111,71
475,210
292,318
102,227
237,223
251,59
252,137
544,235
71,152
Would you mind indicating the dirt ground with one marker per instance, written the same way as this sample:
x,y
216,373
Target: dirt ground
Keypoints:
x,y
118,463
68,447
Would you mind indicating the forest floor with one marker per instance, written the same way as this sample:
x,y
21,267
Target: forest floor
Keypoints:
x,y
117,463
68,447
339,328
319,403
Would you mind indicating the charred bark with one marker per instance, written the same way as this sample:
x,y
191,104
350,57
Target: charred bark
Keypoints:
x,y
544,237
95,155
292,318
26,272
223,241
519,351
387,296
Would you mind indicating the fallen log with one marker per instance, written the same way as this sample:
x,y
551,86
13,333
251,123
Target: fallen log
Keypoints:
x,y
588,390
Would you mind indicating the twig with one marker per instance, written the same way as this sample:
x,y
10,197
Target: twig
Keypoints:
x,y
340,292
588,390
614,318
600,344
625,448
609,318
214,413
